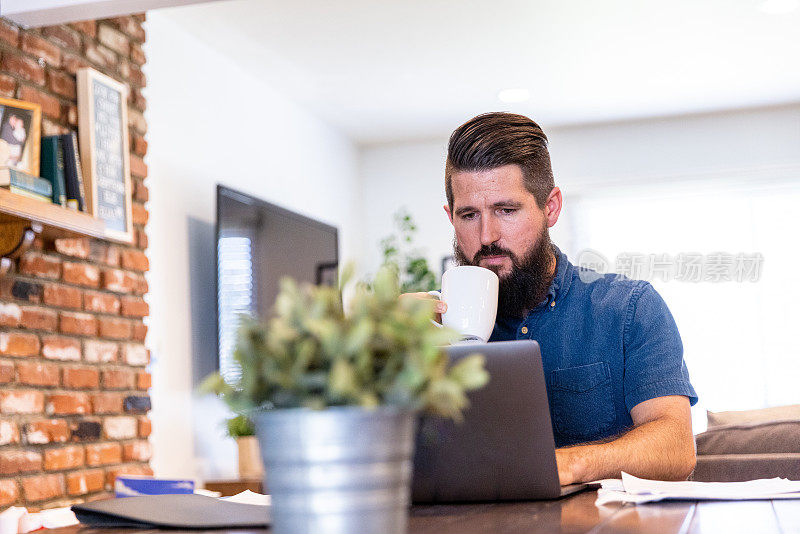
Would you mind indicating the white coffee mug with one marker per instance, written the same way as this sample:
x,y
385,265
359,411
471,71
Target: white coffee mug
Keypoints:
x,y
471,296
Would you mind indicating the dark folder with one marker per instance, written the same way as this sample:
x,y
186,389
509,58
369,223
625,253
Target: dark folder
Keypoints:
x,y
172,511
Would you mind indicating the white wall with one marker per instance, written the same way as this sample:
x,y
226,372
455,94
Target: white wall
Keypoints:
x,y
746,145
210,123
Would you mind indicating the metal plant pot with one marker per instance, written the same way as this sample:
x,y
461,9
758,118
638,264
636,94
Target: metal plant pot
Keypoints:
x,y
338,470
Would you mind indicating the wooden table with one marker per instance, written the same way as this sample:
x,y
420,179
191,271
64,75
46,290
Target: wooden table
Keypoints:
x,y
578,514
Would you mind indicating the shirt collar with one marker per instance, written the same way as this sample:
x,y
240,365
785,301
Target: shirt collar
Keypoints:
x,y
562,279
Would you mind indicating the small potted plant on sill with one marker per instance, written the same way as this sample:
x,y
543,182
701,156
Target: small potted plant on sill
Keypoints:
x,y
243,431
334,398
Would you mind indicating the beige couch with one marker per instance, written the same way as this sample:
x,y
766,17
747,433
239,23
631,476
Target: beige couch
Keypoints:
x,y
750,445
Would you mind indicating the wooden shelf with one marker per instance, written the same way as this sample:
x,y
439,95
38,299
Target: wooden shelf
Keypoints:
x,y
23,218
56,221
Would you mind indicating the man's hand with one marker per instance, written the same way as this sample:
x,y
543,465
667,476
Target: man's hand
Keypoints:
x,y
441,306
660,446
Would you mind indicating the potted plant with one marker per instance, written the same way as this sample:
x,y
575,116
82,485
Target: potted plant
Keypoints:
x,y
243,431
334,396
399,252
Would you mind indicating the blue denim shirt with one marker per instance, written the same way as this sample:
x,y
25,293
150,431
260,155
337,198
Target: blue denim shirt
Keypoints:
x,y
608,343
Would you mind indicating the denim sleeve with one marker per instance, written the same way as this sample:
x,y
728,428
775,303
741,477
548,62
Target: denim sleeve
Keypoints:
x,y
654,365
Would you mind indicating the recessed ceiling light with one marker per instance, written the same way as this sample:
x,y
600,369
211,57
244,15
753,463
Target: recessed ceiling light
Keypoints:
x,y
514,95
777,7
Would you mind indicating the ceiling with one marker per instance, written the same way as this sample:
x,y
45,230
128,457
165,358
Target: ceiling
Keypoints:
x,y
385,71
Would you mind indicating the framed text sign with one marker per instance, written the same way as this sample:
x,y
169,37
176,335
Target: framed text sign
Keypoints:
x,y
104,149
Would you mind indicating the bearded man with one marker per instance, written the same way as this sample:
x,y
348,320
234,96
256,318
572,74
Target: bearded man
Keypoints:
x,y
617,384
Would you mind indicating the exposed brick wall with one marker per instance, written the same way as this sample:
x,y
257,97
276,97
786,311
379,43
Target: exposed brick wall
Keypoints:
x,y
73,383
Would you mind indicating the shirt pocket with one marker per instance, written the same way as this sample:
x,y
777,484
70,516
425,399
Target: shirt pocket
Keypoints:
x,y
583,407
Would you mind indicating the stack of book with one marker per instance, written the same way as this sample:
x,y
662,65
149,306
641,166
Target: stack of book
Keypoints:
x,y
61,181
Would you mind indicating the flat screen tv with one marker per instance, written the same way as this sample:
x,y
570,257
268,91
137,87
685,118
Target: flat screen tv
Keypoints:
x,y
259,243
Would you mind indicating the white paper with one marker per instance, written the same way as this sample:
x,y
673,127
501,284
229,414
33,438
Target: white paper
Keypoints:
x,y
249,497
637,490
17,520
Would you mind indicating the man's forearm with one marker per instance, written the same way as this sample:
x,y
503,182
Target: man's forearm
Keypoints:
x,y
662,449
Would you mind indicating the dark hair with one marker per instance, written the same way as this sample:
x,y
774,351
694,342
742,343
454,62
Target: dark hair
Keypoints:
x,y
492,140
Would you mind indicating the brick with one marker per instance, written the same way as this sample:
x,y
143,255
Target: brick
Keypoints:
x,y
100,55
139,332
140,191
82,274
118,281
27,69
144,380
40,266
61,348
107,403
137,54
86,430
80,378
72,63
140,288
125,72
18,401
136,469
138,451
46,431
134,307
62,296
138,167
100,351
51,106
10,314
145,427
120,427
101,302
8,87
113,328
82,324
63,36
62,84
134,354
138,99
9,433
36,46
130,26
9,33
137,121
103,454
137,404
83,482
61,458
135,260
38,374
76,248
141,238
13,462
19,344
6,372
114,39
68,404
89,27
104,253
137,77
30,291
139,214
117,379
8,491
37,318
42,487
139,145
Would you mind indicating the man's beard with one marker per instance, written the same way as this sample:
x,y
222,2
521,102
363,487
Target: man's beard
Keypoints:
x,y
526,285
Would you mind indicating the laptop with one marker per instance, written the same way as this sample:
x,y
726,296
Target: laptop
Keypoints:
x,y
503,450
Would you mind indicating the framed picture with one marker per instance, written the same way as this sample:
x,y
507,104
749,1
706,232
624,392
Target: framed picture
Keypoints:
x,y
20,124
104,150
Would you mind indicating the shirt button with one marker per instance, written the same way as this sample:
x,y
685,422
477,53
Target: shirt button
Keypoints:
x,y
552,304
524,330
